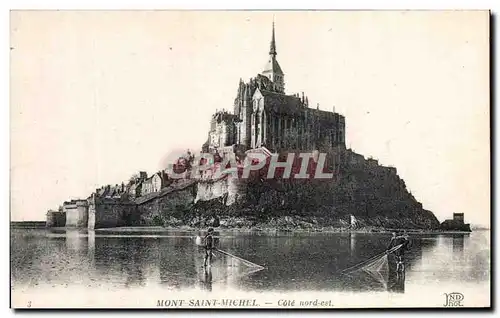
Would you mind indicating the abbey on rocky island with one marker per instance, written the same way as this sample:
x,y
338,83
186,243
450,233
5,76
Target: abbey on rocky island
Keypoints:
x,y
265,116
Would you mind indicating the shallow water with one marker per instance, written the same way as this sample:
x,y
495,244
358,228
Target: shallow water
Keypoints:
x,y
81,262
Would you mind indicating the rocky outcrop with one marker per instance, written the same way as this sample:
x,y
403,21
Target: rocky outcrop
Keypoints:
x,y
453,225
170,207
375,195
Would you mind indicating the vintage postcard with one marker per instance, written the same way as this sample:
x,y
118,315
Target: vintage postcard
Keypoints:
x,y
250,159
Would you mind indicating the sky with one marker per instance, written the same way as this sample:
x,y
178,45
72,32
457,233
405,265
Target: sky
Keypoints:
x,y
98,95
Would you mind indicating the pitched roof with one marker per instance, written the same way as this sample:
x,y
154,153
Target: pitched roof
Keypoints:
x,y
272,66
282,103
263,82
224,116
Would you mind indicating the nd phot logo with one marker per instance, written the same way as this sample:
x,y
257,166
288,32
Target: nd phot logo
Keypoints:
x,y
453,300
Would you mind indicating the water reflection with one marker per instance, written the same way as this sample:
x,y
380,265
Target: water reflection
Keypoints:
x,y
396,282
458,244
352,241
293,261
176,262
75,240
390,281
91,246
207,282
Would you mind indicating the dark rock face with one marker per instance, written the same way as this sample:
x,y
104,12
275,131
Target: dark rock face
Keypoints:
x,y
453,225
373,194
171,209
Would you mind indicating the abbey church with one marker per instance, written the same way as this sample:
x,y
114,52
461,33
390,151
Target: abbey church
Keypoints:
x,y
265,116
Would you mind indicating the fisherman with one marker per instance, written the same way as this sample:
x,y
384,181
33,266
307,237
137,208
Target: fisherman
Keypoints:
x,y
209,246
401,239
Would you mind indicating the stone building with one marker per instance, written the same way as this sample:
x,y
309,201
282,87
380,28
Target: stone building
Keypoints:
x,y
222,130
455,224
134,188
55,219
265,116
77,213
110,212
152,184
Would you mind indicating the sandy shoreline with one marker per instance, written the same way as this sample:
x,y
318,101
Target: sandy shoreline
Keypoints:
x,y
159,229
147,229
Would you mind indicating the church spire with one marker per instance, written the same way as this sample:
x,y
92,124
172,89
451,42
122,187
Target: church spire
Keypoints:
x,y
272,51
272,70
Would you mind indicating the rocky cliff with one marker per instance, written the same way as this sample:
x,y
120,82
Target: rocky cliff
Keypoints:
x,y
375,195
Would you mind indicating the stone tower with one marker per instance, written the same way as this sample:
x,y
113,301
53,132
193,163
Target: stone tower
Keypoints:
x,y
272,70
246,133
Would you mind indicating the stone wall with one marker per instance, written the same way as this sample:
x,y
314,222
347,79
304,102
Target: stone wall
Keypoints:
x,y
374,194
108,212
230,189
76,213
55,219
169,206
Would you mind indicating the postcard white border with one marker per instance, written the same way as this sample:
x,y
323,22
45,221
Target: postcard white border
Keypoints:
x,y
192,4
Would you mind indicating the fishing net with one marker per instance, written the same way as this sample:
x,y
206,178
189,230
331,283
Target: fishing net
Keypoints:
x,y
377,263
380,277
224,267
376,267
235,261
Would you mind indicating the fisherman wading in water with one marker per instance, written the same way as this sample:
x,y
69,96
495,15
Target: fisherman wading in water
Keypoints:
x,y
209,246
396,240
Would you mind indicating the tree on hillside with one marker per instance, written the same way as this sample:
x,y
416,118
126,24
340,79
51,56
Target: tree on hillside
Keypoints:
x,y
133,178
